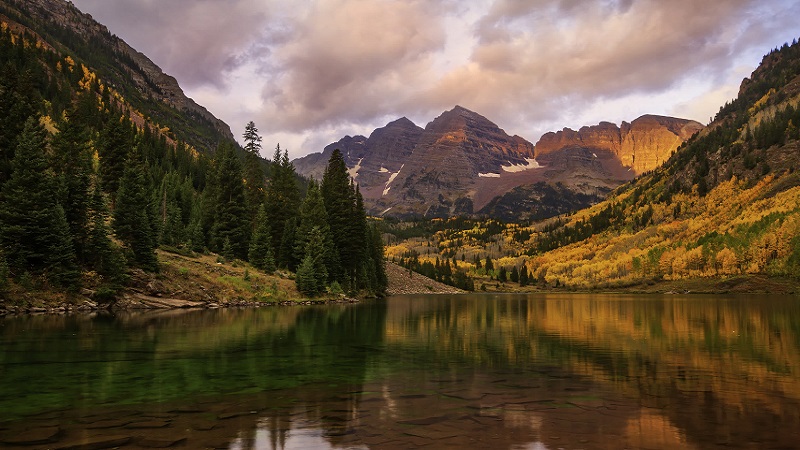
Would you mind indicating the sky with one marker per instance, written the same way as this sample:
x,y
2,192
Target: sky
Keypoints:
x,y
310,72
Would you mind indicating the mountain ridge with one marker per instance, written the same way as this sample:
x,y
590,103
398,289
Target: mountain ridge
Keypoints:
x,y
59,23
493,174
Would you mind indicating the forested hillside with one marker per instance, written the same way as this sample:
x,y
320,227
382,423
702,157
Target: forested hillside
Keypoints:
x,y
149,94
725,206
87,194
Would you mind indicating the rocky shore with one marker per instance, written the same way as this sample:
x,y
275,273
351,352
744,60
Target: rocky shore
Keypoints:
x,y
200,281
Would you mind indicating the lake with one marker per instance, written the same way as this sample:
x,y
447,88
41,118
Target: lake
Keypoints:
x,y
544,371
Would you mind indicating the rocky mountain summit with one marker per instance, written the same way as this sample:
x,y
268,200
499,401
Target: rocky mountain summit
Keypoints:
x,y
641,145
461,163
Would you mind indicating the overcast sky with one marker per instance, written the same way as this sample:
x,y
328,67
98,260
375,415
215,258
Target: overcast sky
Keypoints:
x,y
310,72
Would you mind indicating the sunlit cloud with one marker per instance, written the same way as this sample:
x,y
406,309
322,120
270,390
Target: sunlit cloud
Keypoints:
x,y
309,73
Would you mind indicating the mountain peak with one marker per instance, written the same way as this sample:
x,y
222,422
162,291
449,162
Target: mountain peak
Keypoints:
x,y
402,122
460,118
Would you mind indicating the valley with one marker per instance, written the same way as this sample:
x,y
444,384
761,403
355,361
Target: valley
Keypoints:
x,y
651,202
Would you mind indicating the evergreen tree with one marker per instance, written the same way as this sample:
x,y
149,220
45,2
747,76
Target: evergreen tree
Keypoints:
x,y
282,204
175,200
523,276
312,276
116,142
18,102
287,258
132,224
502,276
73,165
253,171
34,233
232,221
358,226
260,254
376,261
514,277
488,264
313,214
102,254
347,224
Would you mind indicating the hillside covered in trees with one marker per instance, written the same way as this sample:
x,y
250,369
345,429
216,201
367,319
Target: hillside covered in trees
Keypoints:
x,y
724,208
88,192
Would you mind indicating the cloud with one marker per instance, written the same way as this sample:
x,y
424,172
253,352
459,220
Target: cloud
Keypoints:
x,y
543,58
197,40
350,60
311,72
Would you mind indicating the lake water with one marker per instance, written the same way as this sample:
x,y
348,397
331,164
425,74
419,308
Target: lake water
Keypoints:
x,y
471,371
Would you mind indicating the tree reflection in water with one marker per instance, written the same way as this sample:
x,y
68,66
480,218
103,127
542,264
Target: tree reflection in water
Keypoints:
x,y
500,371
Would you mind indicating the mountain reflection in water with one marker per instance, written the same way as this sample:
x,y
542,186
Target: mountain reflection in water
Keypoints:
x,y
471,371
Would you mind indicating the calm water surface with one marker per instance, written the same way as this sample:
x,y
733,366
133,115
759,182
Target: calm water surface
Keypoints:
x,y
474,371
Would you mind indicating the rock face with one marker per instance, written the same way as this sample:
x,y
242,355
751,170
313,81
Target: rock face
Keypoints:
x,y
463,164
446,166
130,72
404,170
641,145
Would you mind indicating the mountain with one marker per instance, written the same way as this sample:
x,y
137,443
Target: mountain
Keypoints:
x,y
461,163
641,145
152,95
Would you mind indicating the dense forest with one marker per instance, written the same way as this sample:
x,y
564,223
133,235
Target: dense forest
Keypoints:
x,y
88,194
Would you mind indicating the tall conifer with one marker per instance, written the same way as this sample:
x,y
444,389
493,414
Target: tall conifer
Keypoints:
x,y
282,204
339,196
260,253
34,232
313,215
73,165
116,142
132,223
253,171
232,222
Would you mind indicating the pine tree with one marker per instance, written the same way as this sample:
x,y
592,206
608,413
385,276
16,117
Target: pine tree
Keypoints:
x,y
17,103
34,233
282,204
313,215
253,171
116,142
287,258
260,254
514,277
73,165
312,276
102,254
231,221
132,224
376,262
347,224
523,276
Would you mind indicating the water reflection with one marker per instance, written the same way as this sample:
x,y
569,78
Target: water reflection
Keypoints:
x,y
500,371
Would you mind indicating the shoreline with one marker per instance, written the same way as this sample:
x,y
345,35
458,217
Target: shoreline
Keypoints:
x,y
89,306
211,285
